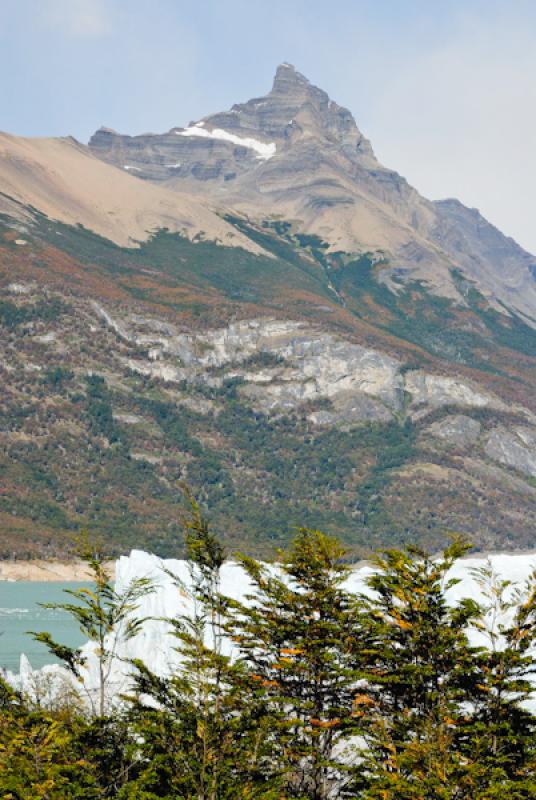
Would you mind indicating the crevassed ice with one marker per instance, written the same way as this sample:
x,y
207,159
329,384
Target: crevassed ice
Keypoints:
x,y
156,647
263,150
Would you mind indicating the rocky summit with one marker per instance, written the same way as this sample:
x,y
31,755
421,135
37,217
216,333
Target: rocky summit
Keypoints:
x,y
223,146
255,306
294,154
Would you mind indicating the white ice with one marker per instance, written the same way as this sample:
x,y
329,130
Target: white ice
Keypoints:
x,y
155,646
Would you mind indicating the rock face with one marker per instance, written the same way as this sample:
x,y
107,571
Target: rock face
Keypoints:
x,y
435,391
296,155
457,430
516,448
271,420
284,364
309,365
222,146
495,261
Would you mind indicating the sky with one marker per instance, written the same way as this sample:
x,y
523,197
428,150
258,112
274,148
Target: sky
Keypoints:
x,y
445,89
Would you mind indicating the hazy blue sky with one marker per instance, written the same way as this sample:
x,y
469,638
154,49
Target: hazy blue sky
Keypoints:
x,y
445,89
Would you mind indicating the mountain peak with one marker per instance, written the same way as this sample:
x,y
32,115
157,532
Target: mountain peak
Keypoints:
x,y
291,85
287,76
294,120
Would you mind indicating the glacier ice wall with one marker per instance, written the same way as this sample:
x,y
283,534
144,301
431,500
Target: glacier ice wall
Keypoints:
x,y
155,646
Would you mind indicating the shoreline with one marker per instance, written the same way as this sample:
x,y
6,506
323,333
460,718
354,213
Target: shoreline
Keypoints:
x,y
44,571
41,570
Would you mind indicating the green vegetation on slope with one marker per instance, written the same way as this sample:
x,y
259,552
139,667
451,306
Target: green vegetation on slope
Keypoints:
x,y
70,457
238,274
12,315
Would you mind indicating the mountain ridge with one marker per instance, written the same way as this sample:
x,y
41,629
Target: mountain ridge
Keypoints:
x,y
294,342
63,179
324,177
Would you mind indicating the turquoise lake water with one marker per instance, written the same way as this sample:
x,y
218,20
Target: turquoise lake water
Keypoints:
x,y
20,612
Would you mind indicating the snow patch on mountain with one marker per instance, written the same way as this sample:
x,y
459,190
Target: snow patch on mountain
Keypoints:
x,y
263,150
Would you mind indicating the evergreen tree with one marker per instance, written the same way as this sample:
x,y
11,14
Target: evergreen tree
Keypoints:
x,y
422,670
40,753
299,635
105,617
204,729
502,746
304,691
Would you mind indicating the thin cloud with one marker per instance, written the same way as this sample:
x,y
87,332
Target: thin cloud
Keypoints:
x,y
79,18
458,120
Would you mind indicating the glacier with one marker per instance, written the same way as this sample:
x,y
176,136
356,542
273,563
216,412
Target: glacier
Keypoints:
x,y
171,597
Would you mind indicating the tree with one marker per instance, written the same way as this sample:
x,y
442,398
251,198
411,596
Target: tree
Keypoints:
x,y
106,617
422,670
303,691
40,755
204,731
300,636
503,742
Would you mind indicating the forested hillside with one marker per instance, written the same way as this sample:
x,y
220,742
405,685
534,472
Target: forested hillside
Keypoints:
x,y
287,388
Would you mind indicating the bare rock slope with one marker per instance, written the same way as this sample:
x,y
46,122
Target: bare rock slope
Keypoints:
x,y
296,155
63,180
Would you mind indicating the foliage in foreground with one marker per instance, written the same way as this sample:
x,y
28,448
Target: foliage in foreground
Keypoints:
x,y
306,691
